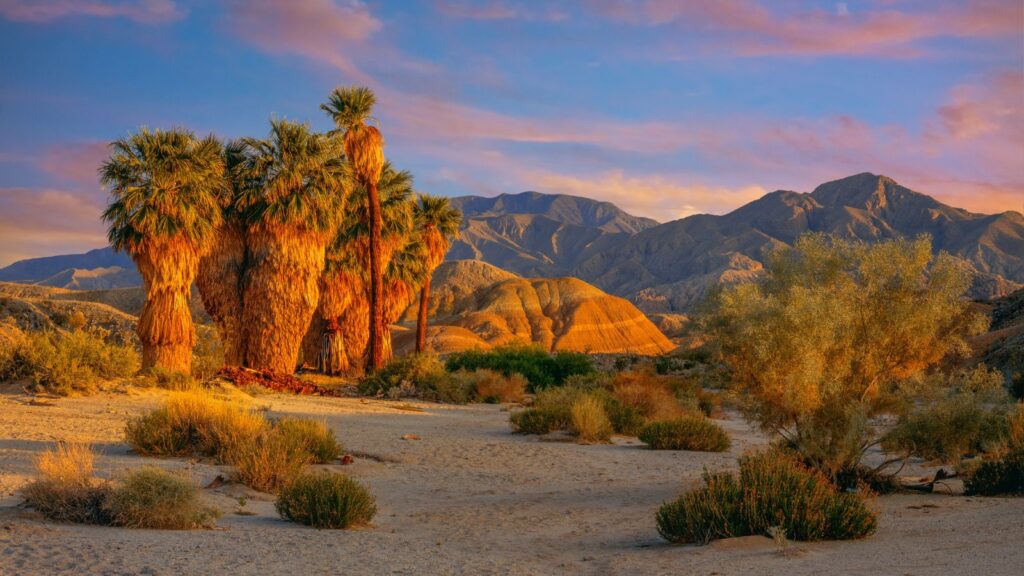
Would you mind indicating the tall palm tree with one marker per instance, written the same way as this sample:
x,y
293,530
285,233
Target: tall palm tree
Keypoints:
x,y
165,186
221,270
350,107
438,224
292,190
408,269
338,334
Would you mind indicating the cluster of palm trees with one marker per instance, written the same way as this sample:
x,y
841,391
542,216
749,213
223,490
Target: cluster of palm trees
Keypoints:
x,y
304,246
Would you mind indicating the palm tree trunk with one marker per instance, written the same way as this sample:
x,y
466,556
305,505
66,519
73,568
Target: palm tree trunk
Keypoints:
x,y
282,291
376,359
165,325
220,286
421,320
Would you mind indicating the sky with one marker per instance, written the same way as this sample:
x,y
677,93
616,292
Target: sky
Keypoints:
x,y
665,107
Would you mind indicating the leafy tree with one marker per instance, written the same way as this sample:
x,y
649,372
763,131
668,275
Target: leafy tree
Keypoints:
x,y
834,334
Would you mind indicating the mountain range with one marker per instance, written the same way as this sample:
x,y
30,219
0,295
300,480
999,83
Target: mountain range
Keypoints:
x,y
666,267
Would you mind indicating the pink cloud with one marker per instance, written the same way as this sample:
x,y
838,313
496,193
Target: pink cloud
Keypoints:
x,y
76,162
750,28
321,30
497,11
142,11
40,221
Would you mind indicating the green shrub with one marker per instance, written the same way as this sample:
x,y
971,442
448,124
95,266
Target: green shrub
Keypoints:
x,y
589,421
773,490
155,498
949,430
706,514
67,362
1004,476
687,433
318,438
540,368
416,375
326,500
541,420
625,419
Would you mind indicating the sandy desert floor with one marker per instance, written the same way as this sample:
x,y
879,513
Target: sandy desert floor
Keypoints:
x,y
469,497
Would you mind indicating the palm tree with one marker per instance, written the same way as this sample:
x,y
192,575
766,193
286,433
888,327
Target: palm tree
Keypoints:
x,y
438,225
350,107
407,270
337,337
221,270
292,190
165,186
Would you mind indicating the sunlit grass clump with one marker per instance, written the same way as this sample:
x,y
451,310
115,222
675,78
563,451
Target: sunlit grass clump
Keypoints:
x,y
772,491
266,456
66,490
326,500
590,422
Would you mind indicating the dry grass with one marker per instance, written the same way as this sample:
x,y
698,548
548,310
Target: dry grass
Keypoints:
x,y
269,461
66,490
650,394
590,421
69,462
154,498
1016,435
193,423
494,387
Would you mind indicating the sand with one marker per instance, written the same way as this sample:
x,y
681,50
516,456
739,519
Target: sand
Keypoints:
x,y
469,497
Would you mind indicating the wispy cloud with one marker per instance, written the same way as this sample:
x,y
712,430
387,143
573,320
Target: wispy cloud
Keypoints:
x,y
321,30
496,10
752,28
142,11
39,221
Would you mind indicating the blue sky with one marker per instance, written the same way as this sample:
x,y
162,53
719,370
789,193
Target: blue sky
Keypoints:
x,y
665,107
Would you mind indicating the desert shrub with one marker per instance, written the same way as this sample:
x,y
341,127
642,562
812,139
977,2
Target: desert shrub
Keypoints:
x,y
416,375
66,490
949,430
1015,435
154,498
540,420
773,490
705,514
826,340
493,387
1003,476
695,433
67,362
540,368
157,377
318,438
269,461
625,419
589,381
649,394
589,421
193,423
326,500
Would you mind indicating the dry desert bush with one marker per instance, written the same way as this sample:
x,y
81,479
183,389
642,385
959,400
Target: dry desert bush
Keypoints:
x,y
66,490
773,491
266,456
155,498
693,432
